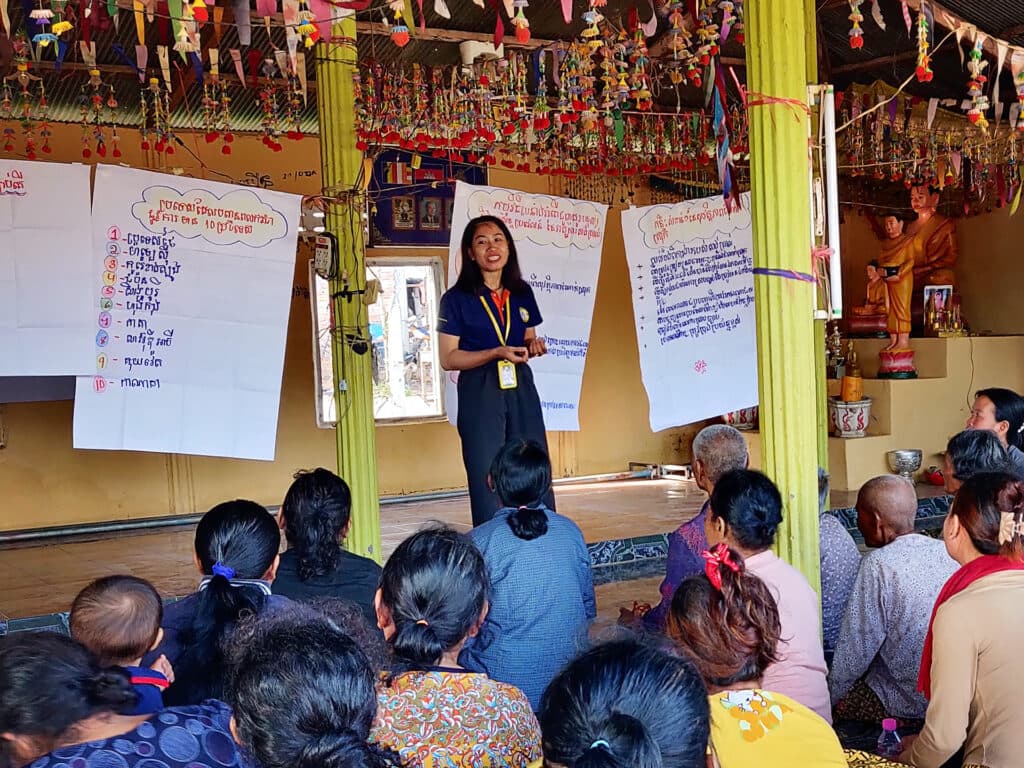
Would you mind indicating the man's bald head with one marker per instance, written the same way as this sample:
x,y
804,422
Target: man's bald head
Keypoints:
x,y
890,499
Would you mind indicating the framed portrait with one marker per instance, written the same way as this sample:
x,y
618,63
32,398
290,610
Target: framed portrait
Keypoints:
x,y
430,213
403,212
449,206
942,294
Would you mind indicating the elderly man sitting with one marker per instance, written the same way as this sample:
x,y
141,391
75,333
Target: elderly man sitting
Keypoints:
x,y
717,449
878,653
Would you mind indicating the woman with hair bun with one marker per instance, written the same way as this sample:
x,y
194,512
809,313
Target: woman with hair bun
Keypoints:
x,y
726,622
542,586
972,652
236,548
304,694
745,512
58,706
432,711
625,705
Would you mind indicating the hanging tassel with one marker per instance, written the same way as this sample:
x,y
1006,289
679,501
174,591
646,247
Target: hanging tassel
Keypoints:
x,y
236,57
243,22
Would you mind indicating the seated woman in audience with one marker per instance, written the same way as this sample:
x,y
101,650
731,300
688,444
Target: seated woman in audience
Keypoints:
x,y
315,517
542,588
625,705
433,596
236,552
972,653
1001,411
972,452
727,623
745,513
303,694
59,707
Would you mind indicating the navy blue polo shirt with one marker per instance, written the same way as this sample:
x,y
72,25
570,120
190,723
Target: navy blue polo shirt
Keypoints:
x,y
462,314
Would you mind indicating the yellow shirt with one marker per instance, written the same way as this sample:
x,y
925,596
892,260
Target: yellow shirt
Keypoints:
x,y
769,730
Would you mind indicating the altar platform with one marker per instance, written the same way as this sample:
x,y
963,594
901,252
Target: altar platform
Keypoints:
x,y
923,412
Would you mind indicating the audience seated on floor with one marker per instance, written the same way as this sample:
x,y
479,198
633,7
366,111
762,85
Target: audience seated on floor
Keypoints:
x,y
433,712
236,549
716,450
60,707
874,671
117,618
745,513
315,517
625,705
727,623
971,452
303,694
972,652
840,559
542,585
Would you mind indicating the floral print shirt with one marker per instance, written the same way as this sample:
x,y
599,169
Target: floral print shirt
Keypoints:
x,y
450,718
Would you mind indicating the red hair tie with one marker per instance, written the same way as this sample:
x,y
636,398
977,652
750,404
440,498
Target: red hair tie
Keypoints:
x,y
714,559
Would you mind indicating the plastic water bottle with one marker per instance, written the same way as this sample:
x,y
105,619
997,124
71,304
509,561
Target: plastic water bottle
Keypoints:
x,y
889,743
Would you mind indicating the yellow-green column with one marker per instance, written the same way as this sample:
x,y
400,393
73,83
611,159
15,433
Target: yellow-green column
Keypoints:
x,y
777,31
341,163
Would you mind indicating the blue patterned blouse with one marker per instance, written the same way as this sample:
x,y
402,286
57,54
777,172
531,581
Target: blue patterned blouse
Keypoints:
x,y
181,737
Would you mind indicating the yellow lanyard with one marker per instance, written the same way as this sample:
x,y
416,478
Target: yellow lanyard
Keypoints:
x,y
494,321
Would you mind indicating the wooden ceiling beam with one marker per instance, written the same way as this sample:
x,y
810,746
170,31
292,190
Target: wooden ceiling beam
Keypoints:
x,y
881,61
435,35
123,70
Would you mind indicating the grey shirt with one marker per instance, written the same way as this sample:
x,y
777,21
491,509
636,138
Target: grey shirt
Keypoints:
x,y
840,560
886,620
1016,457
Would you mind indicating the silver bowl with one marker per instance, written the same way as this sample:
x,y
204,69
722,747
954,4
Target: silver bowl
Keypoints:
x,y
904,461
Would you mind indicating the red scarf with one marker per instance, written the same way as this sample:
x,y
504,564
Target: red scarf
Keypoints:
x,y
984,566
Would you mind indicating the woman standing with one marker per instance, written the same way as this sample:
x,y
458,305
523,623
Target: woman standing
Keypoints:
x,y
486,329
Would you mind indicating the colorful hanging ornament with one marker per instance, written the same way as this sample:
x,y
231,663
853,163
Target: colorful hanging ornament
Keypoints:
x,y
856,33
976,86
923,70
200,11
399,31
307,27
520,22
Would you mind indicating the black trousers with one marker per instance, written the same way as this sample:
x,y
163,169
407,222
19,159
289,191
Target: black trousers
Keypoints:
x,y
490,416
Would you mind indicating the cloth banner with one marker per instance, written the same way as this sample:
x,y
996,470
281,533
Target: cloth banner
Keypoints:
x,y
191,284
691,271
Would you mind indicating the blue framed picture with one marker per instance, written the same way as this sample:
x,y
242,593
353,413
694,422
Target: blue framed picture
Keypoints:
x,y
411,197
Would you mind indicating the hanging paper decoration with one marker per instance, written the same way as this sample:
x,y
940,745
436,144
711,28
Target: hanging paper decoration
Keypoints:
x,y
520,22
856,17
96,97
399,31
727,18
976,85
200,12
740,34
155,104
307,28
923,70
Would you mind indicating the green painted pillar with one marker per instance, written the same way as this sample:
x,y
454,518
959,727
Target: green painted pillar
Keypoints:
x,y
341,163
781,212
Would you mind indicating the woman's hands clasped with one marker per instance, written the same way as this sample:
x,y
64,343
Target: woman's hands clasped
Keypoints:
x,y
534,348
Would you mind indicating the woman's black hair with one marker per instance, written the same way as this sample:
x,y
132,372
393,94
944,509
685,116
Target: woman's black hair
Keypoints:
x,y
626,705
521,473
750,505
1009,407
316,510
435,587
471,279
240,537
303,693
48,684
976,450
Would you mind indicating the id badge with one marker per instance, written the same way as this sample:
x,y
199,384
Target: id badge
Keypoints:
x,y
507,375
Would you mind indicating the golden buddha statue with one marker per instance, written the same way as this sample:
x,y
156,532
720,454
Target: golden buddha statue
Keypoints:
x,y
897,261
935,260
